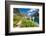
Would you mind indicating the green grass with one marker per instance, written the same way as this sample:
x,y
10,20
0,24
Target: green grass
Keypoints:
x,y
25,22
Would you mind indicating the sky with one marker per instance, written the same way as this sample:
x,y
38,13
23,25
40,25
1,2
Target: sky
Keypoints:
x,y
24,10
28,11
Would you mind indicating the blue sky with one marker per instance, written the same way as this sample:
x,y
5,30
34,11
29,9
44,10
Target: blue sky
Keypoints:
x,y
24,10
28,11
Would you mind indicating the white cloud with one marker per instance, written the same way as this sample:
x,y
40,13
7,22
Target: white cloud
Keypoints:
x,y
29,13
31,10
